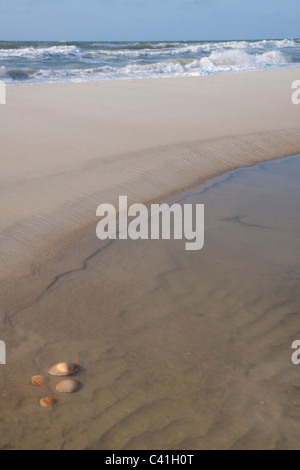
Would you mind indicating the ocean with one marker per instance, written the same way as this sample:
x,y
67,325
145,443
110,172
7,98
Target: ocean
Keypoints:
x,y
48,62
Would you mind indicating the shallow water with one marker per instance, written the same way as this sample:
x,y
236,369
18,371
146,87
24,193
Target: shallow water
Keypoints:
x,y
178,349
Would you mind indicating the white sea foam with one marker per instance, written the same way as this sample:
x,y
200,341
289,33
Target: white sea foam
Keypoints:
x,y
33,52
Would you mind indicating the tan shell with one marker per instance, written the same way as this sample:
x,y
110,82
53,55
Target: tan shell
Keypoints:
x,y
68,386
47,402
63,369
39,380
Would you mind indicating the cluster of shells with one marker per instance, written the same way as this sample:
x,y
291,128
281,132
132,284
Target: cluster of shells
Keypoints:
x,y
63,369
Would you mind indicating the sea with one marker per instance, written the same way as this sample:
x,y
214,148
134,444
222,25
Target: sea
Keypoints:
x,y
48,62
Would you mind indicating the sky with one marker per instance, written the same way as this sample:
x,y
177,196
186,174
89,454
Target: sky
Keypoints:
x,y
130,20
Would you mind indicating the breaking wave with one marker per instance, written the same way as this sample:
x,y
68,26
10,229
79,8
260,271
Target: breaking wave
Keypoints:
x,y
59,62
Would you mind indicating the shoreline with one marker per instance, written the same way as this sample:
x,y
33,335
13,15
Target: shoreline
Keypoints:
x,y
76,254
130,79
61,192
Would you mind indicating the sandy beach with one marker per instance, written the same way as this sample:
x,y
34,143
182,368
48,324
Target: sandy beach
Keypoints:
x,y
147,323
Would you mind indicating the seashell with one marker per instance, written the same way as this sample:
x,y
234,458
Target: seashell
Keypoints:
x,y
47,402
68,386
63,369
39,380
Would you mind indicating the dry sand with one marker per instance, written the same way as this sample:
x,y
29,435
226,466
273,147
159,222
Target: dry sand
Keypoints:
x,y
177,350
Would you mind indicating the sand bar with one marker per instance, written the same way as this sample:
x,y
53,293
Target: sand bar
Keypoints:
x,y
66,148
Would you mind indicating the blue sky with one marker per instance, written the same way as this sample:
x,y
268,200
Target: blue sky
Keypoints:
x,y
148,19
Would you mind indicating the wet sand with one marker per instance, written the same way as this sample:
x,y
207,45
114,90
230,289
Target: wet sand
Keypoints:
x,y
178,350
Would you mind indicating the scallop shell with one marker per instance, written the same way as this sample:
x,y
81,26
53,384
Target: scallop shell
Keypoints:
x,y
68,386
47,402
39,380
63,369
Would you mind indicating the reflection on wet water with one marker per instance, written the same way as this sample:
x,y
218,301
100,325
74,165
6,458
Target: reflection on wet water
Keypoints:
x,y
179,350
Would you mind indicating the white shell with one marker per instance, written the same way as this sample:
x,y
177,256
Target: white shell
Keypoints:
x,y
63,369
68,386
